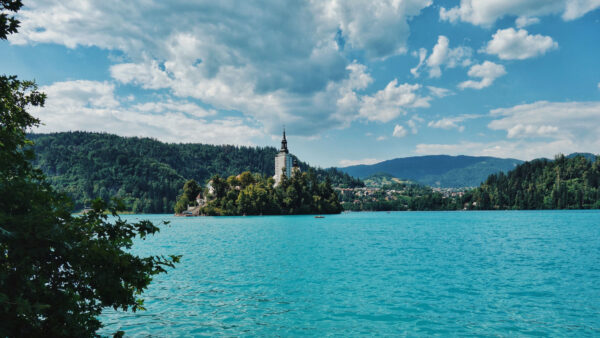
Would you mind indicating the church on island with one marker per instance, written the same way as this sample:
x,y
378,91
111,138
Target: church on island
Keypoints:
x,y
257,194
284,163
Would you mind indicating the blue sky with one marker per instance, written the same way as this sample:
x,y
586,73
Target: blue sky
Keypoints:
x,y
353,81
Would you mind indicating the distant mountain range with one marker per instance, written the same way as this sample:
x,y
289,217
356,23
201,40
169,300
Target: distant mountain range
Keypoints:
x,y
437,170
441,170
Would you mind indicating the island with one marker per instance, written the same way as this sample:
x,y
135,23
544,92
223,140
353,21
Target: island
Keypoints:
x,y
288,192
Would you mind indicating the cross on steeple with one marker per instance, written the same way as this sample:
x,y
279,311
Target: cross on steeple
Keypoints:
x,y
284,143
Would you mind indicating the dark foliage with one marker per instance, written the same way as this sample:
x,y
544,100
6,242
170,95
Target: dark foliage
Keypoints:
x,y
57,272
8,23
565,183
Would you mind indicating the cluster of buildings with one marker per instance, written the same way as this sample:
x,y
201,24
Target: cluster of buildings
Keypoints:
x,y
450,192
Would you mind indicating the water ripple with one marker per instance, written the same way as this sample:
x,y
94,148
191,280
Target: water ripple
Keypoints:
x,y
419,273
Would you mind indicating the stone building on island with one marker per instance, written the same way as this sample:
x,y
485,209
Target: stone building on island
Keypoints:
x,y
284,163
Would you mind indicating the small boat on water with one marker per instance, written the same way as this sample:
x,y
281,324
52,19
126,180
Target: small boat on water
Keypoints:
x,y
319,216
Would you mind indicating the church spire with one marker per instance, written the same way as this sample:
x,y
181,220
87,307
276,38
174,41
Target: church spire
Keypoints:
x,y
284,143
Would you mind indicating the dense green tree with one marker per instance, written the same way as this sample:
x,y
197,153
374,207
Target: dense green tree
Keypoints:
x,y
191,189
253,194
57,271
182,204
219,186
246,178
8,22
564,183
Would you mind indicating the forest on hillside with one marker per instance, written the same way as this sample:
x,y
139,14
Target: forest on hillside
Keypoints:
x,y
563,183
145,173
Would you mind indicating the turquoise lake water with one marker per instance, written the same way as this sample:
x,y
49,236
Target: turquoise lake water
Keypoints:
x,y
499,273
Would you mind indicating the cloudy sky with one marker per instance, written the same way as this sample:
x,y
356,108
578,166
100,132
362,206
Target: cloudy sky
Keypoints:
x,y
353,81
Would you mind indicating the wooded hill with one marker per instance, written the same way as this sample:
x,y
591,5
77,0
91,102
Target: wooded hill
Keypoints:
x,y
563,183
147,174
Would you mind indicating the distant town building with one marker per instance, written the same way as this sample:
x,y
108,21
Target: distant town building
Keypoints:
x,y
283,162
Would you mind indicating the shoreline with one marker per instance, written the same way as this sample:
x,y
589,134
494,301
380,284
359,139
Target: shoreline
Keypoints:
x,y
369,211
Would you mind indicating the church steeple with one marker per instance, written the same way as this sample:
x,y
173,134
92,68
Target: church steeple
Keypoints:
x,y
283,162
284,143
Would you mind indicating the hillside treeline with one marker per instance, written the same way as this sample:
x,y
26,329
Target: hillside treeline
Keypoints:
x,y
562,183
147,174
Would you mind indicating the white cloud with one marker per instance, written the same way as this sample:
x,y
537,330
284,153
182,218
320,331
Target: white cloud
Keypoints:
x,y
539,129
442,55
381,138
521,130
487,71
274,62
412,124
577,122
347,163
146,75
438,56
524,21
510,44
399,131
92,106
440,92
380,28
452,122
445,123
520,149
392,101
485,13
82,93
422,56
172,106
598,85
